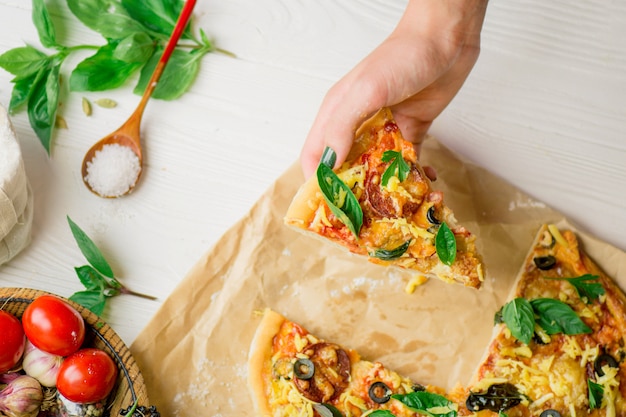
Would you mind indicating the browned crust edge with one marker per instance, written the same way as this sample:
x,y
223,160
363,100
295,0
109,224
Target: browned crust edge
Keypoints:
x,y
259,356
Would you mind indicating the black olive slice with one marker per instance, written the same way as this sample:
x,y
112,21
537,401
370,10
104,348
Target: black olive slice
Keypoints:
x,y
303,369
545,262
379,392
550,413
604,359
327,410
418,388
430,216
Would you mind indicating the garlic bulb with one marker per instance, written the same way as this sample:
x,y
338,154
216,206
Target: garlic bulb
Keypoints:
x,y
42,366
22,397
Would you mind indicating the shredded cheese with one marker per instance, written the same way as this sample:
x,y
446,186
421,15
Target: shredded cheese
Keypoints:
x,y
415,282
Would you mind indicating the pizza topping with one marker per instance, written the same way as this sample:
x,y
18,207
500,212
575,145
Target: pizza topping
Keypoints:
x,y
550,413
387,254
327,410
545,262
331,374
303,368
379,392
497,398
587,286
602,360
445,244
428,403
430,215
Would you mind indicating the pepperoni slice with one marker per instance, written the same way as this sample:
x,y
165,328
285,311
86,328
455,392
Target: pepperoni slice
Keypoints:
x,y
331,375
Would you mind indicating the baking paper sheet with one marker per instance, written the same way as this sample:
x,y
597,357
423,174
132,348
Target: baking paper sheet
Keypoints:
x,y
193,352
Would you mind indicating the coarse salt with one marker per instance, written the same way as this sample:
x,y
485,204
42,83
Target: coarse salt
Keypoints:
x,y
113,170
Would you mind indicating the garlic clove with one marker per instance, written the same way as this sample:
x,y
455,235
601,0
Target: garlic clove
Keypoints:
x,y
42,366
22,397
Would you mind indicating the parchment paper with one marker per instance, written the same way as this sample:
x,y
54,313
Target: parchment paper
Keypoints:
x,y
193,353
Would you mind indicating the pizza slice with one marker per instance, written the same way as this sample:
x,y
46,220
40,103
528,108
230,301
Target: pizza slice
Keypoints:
x,y
559,344
380,204
294,373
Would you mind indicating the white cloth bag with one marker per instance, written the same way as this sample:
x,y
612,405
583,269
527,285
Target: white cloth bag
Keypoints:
x,y
16,198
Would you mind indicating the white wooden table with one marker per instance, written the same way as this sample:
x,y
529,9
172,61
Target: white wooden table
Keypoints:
x,y
545,108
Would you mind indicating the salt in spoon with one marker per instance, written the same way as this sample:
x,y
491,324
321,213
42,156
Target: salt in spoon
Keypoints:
x,y
128,135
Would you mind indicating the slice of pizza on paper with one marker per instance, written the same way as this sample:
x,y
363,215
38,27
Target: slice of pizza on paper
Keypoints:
x,y
293,373
380,204
559,344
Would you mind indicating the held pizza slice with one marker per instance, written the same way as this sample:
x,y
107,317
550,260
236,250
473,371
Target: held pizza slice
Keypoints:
x,y
559,344
294,373
380,204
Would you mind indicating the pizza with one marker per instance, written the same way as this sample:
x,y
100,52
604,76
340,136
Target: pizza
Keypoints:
x,y
558,350
381,204
559,343
293,373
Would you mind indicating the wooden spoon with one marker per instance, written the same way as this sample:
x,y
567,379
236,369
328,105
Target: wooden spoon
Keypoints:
x,y
128,134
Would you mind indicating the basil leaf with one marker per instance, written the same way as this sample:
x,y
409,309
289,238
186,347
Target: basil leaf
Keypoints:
x,y
587,286
177,77
398,167
21,91
23,62
381,413
101,71
388,254
340,199
596,392
327,410
135,48
425,402
90,250
157,15
106,17
43,101
445,244
557,317
90,278
519,317
92,299
43,24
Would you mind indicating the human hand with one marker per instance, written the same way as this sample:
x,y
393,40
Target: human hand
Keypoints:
x,y
416,72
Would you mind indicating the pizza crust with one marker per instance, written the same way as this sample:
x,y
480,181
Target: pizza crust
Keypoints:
x,y
259,356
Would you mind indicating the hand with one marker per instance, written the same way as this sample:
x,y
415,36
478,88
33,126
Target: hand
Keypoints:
x,y
416,71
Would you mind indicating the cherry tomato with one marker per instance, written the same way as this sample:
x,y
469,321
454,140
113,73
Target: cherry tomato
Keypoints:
x,y
12,341
87,376
53,325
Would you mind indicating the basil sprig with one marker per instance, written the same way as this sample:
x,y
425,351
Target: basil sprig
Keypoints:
x,y
554,316
135,32
445,244
398,167
339,197
425,402
388,254
595,392
97,277
587,286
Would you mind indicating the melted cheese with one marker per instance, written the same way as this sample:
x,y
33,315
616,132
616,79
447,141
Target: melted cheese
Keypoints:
x,y
407,228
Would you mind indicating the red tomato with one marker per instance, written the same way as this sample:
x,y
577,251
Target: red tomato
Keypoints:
x,y
54,326
87,376
12,341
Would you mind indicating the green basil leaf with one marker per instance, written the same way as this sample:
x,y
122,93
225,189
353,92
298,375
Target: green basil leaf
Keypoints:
x,y
398,167
21,91
425,402
587,286
557,317
43,24
23,62
177,77
205,39
106,17
327,410
596,392
381,413
445,244
101,71
90,250
43,101
90,278
91,299
340,199
388,254
519,317
157,15
135,48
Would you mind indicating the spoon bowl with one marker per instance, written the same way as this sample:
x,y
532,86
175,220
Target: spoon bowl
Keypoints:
x,y
128,135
